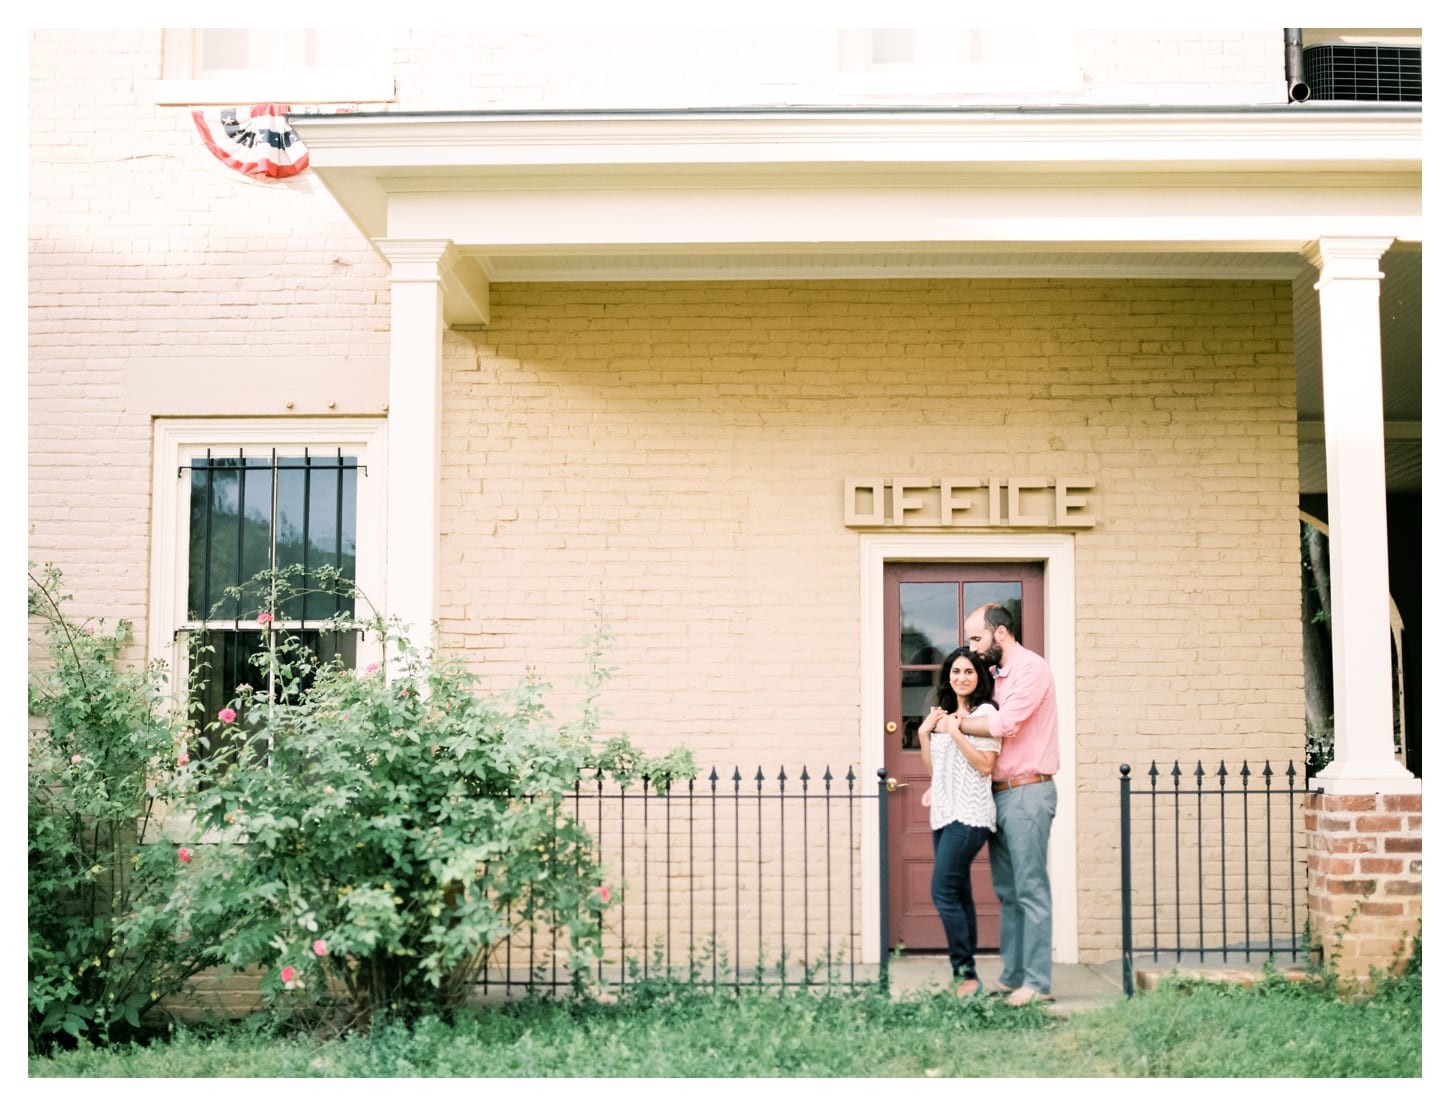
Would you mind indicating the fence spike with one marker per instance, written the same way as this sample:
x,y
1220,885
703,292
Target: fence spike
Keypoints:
x,y
714,778
759,777
781,779
1177,772
1153,772
805,780
1222,775
851,779
1244,774
827,777
1198,772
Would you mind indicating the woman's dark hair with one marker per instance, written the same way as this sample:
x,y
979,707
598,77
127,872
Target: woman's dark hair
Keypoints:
x,y
947,698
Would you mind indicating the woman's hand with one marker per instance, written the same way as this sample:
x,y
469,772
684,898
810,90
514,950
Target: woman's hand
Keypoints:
x,y
926,797
929,725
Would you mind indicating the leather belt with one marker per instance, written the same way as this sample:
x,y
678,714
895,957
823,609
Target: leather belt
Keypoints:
x,y
1020,781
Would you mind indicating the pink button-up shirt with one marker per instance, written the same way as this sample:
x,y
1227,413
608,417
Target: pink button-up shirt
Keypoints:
x,y
1026,719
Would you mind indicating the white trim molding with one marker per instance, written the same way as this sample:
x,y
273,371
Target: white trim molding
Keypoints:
x,y
1056,553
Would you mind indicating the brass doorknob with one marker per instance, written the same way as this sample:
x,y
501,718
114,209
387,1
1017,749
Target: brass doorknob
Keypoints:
x,y
891,727
892,785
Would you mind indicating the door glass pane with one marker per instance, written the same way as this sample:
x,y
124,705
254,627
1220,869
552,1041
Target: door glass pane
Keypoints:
x,y
930,629
930,626
1008,593
916,700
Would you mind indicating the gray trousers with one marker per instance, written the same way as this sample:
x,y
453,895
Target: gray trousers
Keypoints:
x,y
1018,853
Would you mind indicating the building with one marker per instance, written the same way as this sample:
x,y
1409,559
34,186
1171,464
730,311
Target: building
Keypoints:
x,y
770,347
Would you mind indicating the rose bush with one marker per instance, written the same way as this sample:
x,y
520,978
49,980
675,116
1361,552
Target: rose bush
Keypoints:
x,y
102,949
378,834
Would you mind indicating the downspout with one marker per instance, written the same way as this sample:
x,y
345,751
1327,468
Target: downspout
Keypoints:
x,y
1294,64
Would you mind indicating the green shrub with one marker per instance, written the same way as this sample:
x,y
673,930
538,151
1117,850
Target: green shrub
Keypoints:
x,y
102,953
376,834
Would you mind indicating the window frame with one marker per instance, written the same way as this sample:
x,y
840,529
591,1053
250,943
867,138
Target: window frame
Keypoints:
x,y
370,82
1057,70
177,441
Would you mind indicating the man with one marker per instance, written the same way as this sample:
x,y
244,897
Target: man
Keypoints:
x,y
1026,798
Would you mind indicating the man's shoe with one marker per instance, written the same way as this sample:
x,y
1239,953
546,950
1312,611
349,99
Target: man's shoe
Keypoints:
x,y
1025,996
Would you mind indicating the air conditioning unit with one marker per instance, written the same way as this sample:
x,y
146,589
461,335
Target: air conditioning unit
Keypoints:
x,y
1334,71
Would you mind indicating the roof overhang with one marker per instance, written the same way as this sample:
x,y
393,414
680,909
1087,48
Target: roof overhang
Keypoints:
x,y
605,194
792,194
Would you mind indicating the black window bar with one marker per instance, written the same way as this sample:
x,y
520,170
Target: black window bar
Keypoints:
x,y
254,552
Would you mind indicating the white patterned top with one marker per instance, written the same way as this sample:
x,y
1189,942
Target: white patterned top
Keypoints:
x,y
959,793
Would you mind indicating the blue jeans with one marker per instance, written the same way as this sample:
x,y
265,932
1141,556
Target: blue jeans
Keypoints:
x,y
1018,854
955,846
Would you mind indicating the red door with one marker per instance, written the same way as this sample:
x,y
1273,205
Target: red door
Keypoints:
x,y
926,605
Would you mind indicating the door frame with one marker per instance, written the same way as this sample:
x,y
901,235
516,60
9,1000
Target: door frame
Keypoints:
x,y
1056,553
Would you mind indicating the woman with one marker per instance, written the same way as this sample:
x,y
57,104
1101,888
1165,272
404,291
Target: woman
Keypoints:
x,y
963,814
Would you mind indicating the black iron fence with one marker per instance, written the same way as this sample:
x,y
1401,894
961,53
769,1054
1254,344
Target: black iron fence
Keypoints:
x,y
1214,868
750,879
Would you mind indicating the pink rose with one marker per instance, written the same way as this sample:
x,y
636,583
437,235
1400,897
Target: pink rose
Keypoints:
x,y
287,974
76,759
183,854
264,618
319,947
372,667
183,760
603,892
226,714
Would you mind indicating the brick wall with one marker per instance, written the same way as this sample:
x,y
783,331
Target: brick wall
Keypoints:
x,y
149,258
674,452
1366,896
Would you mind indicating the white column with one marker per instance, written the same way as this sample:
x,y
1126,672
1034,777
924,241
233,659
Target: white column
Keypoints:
x,y
415,416
1354,446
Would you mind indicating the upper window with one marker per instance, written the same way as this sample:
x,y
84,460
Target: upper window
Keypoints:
x,y
297,66
1004,63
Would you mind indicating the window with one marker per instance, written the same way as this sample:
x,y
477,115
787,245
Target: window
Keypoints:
x,y
1004,63
232,66
232,502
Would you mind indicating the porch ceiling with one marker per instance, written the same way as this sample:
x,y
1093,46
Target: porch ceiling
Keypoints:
x,y
786,195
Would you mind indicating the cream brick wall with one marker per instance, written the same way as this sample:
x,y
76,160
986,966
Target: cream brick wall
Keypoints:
x,y
160,282
674,453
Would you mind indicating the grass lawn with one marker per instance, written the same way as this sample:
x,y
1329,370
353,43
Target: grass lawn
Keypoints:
x,y
1278,1030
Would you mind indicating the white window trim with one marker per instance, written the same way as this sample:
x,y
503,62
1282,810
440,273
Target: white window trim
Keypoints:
x,y
175,441
1056,552
1057,71
369,82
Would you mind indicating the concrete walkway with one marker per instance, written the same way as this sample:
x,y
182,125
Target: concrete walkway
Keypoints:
x,y
1080,987
1075,987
